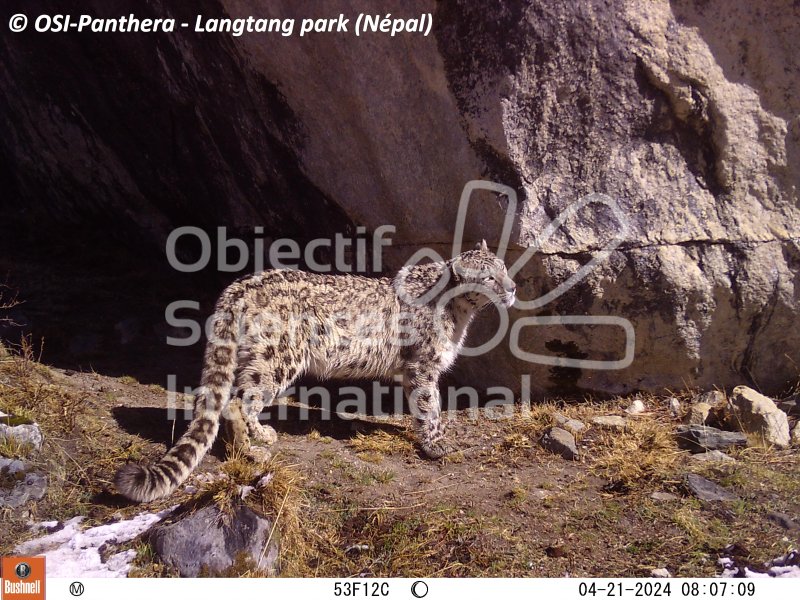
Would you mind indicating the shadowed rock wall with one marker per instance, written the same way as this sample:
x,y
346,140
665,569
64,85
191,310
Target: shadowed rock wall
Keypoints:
x,y
683,113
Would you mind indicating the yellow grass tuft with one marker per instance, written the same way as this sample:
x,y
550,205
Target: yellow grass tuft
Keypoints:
x,y
382,442
646,451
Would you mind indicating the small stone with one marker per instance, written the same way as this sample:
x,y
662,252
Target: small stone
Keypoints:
x,y
713,456
19,484
542,494
783,520
610,422
702,438
707,490
24,435
203,541
712,398
757,414
662,573
698,414
674,407
636,408
664,496
796,434
559,441
574,426
571,425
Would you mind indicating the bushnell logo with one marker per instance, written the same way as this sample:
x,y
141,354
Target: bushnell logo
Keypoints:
x,y
23,578
23,570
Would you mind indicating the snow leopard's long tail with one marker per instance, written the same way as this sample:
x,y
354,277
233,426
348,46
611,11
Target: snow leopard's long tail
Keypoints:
x,y
146,483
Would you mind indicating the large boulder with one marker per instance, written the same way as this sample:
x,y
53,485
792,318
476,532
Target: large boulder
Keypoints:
x,y
209,542
754,413
683,114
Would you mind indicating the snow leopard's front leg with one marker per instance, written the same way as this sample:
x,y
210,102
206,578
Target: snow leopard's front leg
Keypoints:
x,y
421,387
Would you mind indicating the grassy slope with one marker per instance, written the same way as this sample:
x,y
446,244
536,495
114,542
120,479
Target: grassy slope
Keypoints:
x,y
354,497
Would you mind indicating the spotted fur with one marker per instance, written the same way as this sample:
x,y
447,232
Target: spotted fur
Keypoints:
x,y
273,327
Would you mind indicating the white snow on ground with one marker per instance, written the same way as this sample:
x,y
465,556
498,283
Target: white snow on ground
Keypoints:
x,y
785,566
73,552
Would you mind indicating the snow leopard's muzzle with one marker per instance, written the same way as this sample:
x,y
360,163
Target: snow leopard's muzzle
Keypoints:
x,y
509,295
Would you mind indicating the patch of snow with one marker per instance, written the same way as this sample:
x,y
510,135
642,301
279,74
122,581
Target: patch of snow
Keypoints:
x,y
793,571
73,552
784,566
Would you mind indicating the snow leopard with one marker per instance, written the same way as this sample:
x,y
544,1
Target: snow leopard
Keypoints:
x,y
270,328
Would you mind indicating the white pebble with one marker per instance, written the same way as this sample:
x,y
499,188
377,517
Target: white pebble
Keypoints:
x,y
675,407
636,408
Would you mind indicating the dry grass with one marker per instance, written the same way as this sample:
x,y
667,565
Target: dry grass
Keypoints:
x,y
27,391
77,446
644,452
517,441
409,541
276,490
9,298
381,443
284,499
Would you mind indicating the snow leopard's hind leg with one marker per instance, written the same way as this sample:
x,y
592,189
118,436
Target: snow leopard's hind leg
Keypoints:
x,y
258,383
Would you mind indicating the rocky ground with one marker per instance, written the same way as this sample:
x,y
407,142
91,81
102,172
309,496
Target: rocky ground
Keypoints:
x,y
615,488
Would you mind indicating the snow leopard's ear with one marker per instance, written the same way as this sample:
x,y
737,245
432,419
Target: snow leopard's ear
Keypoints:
x,y
482,246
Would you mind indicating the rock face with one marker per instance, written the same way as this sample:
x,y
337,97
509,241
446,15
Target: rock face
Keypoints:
x,y
683,113
754,413
202,543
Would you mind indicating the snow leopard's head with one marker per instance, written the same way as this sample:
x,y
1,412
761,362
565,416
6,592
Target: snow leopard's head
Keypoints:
x,y
483,278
